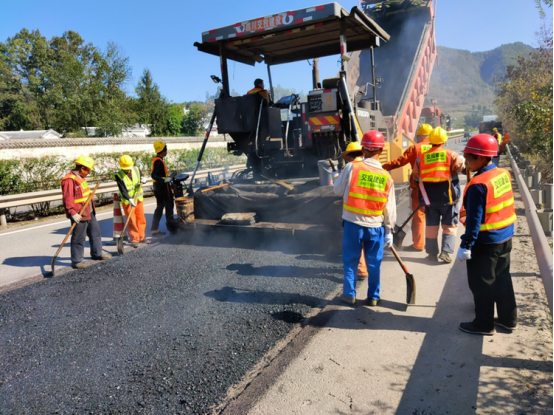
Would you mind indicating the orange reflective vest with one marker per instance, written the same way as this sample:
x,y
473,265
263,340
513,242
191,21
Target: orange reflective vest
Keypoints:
x,y
422,148
83,185
435,168
500,210
165,167
255,90
369,190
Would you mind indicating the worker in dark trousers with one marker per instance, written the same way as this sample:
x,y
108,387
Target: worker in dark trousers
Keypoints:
x,y
436,172
75,191
369,214
164,196
488,214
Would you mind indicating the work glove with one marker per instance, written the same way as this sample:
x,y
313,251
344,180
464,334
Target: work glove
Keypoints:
x,y
462,169
132,202
506,139
335,176
463,254
76,218
167,180
388,240
143,180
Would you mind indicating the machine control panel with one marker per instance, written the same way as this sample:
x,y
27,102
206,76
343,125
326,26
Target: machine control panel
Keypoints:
x,y
322,100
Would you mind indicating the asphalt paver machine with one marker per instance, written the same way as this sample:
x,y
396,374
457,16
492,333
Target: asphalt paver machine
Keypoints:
x,y
286,140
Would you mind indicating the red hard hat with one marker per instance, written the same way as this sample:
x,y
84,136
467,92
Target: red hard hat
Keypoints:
x,y
373,140
482,145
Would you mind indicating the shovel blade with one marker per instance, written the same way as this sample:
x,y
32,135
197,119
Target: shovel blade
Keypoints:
x,y
120,249
398,238
410,289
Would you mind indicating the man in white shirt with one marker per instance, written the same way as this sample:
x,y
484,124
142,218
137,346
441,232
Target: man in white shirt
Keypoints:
x,y
369,214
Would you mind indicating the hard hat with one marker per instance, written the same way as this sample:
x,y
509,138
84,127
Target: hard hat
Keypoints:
x,y
438,136
159,146
85,161
373,140
126,162
482,145
424,129
352,147
495,129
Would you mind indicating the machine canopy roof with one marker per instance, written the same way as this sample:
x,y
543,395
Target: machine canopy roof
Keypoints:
x,y
293,35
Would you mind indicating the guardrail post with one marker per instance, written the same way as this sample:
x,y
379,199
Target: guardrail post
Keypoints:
x,y
537,178
548,196
3,221
546,215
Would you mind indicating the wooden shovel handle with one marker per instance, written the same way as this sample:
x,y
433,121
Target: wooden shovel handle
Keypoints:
x,y
214,188
399,260
130,213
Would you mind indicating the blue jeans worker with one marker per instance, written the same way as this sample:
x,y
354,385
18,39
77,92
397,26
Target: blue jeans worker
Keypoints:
x,y
369,214
436,173
489,215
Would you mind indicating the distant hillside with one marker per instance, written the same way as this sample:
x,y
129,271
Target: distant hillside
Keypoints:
x,y
461,79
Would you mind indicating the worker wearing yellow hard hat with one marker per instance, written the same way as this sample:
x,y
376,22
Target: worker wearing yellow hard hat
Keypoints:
x,y
75,193
436,173
162,191
129,180
411,154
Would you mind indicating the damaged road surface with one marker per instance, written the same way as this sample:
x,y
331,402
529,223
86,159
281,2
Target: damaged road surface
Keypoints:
x,y
166,329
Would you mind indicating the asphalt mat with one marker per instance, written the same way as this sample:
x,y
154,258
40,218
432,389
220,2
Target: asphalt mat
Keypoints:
x,y
166,329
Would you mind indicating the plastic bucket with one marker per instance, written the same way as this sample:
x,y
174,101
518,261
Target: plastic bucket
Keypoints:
x,y
325,172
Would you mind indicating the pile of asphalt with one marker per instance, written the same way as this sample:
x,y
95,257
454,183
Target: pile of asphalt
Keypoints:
x,y
166,329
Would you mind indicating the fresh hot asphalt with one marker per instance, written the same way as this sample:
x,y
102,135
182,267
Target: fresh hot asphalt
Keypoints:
x,y
165,329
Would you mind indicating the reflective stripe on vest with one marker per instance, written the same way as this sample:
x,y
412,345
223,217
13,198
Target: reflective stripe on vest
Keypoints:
x,y
132,185
369,190
165,167
255,90
500,210
85,189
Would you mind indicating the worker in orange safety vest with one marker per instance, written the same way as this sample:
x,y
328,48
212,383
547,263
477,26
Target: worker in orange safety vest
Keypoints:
x,y
369,214
411,154
488,213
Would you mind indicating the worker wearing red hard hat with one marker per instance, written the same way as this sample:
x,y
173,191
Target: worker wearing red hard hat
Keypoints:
x,y
411,154
369,214
488,213
436,172
75,191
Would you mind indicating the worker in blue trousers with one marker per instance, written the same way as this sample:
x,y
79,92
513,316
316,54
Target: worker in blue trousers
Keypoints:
x,y
369,214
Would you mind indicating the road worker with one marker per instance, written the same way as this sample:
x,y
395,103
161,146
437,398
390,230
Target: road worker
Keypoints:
x,y
436,172
502,142
410,156
129,179
488,213
369,213
259,89
75,191
162,192
352,153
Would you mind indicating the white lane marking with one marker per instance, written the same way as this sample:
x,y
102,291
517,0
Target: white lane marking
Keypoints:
x,y
58,223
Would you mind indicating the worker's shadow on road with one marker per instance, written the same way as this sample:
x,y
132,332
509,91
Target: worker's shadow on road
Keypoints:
x,y
37,261
287,271
240,295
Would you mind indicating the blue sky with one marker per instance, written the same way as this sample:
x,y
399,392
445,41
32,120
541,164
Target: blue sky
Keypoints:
x,y
159,35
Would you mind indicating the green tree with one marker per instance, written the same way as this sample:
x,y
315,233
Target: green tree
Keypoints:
x,y
194,120
175,120
151,107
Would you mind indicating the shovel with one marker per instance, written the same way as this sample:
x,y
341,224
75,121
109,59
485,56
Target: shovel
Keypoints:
x,y
398,235
410,280
120,249
89,198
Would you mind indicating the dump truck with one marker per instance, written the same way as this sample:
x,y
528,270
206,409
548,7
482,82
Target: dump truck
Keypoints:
x,y
291,141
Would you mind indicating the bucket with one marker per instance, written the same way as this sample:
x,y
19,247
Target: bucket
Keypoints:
x,y
185,209
325,172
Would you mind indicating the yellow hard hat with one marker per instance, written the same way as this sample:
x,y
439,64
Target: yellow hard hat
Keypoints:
x,y
438,136
353,146
495,129
126,162
424,129
159,146
85,161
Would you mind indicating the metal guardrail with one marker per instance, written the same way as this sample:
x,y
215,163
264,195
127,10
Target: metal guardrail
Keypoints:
x,y
53,195
542,249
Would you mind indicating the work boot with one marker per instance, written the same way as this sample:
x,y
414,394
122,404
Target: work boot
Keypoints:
x,y
371,302
470,327
78,265
102,257
157,233
509,327
412,248
135,244
347,300
445,257
146,241
432,258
